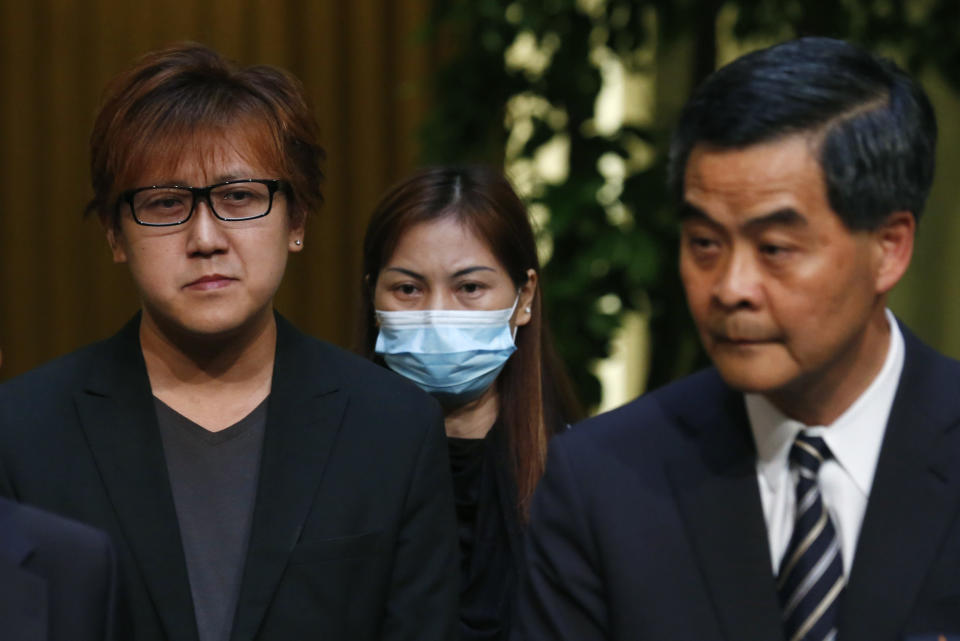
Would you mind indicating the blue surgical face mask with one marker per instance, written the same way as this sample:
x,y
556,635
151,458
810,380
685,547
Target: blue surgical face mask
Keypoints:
x,y
453,354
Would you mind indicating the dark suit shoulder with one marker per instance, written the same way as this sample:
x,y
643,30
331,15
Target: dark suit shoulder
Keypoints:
x,y
38,406
50,532
927,359
657,421
74,564
97,366
64,372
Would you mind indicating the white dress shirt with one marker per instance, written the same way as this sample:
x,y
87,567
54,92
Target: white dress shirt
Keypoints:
x,y
845,480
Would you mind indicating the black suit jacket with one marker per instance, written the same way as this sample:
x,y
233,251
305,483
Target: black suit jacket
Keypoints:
x,y
648,523
353,533
57,578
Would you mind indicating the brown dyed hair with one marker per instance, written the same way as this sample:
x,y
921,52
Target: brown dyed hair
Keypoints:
x,y
536,400
179,100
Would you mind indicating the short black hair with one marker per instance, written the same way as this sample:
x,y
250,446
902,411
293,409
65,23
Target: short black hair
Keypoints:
x,y
875,126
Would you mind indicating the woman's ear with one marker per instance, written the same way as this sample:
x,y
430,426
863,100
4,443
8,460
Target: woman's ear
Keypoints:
x,y
525,303
368,285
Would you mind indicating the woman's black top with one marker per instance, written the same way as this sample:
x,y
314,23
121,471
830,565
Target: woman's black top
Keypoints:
x,y
490,535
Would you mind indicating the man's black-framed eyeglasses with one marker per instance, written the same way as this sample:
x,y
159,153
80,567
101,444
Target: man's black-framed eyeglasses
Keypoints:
x,y
233,200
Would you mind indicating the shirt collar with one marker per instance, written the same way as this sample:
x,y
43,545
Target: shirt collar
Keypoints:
x,y
854,438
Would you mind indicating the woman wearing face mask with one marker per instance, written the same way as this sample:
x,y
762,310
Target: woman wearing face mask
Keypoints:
x,y
453,303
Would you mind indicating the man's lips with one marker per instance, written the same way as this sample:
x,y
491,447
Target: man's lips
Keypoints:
x,y
210,281
742,340
729,340
739,331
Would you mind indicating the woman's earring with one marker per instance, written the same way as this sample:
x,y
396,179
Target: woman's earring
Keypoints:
x,y
526,309
298,242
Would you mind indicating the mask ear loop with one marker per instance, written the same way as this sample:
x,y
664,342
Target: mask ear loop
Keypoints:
x,y
513,308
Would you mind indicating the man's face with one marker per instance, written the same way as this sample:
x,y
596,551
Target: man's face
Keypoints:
x,y
208,277
786,299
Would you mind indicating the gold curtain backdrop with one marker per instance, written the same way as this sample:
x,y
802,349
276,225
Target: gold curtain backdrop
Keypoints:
x,y
364,69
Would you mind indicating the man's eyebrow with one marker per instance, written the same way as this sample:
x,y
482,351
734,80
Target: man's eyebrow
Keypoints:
x,y
786,216
688,211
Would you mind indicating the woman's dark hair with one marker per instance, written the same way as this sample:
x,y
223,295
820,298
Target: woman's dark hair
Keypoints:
x,y
871,125
536,400
176,101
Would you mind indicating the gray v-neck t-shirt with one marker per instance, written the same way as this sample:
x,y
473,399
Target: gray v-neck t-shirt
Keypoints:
x,y
213,477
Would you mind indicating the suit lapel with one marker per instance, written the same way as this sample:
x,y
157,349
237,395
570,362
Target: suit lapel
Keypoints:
x,y
117,414
303,417
719,500
23,595
915,495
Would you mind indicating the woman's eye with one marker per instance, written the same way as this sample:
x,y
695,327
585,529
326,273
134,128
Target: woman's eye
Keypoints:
x,y
406,289
472,288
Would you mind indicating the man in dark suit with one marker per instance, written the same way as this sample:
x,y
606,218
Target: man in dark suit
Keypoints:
x,y
57,578
808,485
258,484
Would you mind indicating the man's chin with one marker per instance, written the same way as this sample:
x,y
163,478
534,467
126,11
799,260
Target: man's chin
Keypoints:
x,y
215,326
751,379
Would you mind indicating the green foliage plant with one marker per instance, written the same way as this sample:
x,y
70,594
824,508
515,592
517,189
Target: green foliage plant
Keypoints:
x,y
523,78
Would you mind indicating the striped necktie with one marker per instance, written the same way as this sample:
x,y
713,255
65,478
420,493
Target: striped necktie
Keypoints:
x,y
811,574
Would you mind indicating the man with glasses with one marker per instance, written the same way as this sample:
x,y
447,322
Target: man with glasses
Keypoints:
x,y
258,484
166,205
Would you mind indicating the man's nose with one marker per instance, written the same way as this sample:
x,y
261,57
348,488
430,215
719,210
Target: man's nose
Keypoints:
x,y
206,234
739,283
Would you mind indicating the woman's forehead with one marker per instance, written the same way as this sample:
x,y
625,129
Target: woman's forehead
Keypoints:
x,y
446,242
